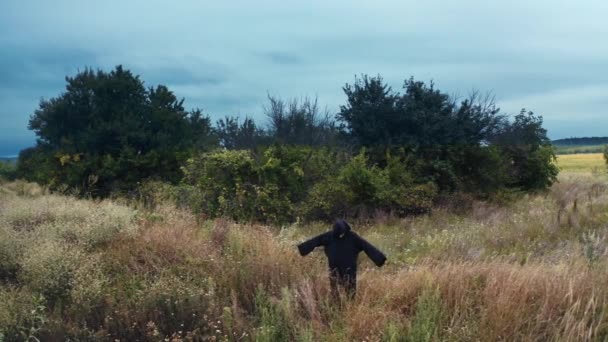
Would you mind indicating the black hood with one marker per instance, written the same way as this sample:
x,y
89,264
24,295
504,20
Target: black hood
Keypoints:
x,y
341,227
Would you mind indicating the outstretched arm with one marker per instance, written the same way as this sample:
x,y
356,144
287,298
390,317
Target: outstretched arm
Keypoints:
x,y
307,246
372,252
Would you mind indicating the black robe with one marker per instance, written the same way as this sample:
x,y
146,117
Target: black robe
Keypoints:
x,y
342,247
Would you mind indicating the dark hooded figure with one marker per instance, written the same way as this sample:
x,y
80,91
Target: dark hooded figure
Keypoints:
x,y
342,247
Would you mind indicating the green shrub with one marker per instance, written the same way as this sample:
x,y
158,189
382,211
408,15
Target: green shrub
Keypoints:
x,y
359,187
274,324
403,192
427,317
131,134
8,170
225,180
528,152
235,184
356,187
327,199
539,170
394,332
23,316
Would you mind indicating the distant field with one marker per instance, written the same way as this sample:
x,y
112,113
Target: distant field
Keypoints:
x,y
587,162
579,149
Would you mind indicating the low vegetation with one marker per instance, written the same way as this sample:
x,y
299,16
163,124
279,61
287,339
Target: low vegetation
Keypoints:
x,y
579,149
530,268
8,170
580,145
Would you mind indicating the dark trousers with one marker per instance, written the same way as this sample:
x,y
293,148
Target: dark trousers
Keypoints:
x,y
343,281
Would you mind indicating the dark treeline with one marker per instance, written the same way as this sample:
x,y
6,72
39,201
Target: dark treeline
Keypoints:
x,y
108,134
585,141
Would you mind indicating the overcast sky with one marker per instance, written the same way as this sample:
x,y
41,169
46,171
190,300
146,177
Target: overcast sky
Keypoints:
x,y
548,56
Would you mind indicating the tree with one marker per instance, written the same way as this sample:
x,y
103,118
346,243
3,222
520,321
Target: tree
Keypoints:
x,y
7,170
299,123
107,132
236,135
528,150
459,145
371,116
422,117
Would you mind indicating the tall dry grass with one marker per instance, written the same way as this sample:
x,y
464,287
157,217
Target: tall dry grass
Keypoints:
x,y
532,270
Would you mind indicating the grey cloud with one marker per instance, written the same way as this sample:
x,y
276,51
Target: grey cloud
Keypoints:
x,y
225,56
181,74
40,67
284,58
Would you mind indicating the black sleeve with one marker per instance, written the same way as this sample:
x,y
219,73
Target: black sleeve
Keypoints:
x,y
372,252
308,246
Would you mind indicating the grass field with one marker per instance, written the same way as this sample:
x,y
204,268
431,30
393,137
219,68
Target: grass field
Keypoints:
x,y
531,270
587,162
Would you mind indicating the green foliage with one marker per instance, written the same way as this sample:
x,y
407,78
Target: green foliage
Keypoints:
x,y
299,123
528,151
467,146
578,149
234,135
370,116
274,324
107,132
268,188
375,115
581,142
359,187
228,182
23,316
427,318
37,164
403,192
289,182
8,170
394,332
467,168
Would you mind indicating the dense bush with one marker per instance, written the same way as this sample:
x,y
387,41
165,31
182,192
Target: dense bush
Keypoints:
x,y
108,135
528,151
467,146
285,183
8,170
108,132
227,181
360,188
266,188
